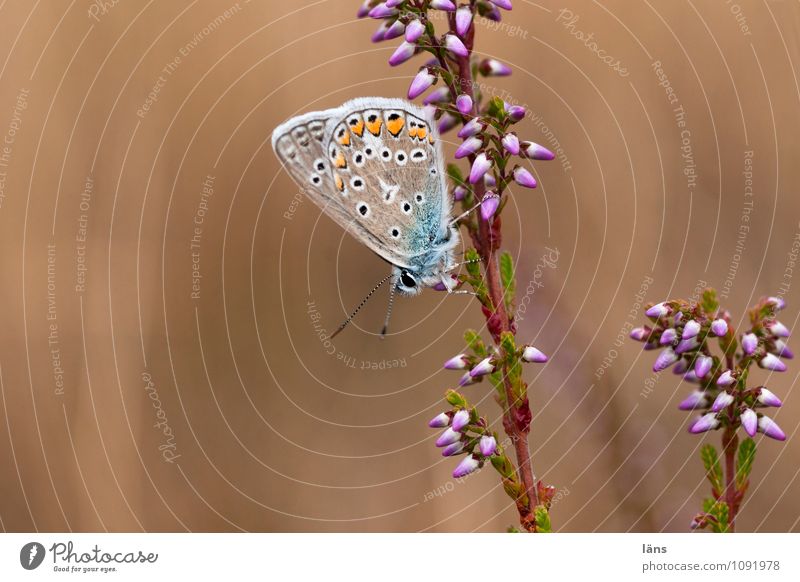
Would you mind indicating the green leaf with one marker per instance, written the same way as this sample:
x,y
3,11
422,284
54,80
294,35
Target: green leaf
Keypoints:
x,y
504,466
744,462
720,512
496,108
472,262
475,343
708,503
507,278
508,345
454,172
709,302
542,519
455,399
713,469
512,529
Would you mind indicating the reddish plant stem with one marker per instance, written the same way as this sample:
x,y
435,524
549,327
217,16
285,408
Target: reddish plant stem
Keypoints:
x,y
730,442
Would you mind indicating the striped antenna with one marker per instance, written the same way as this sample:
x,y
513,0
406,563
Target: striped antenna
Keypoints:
x,y
363,301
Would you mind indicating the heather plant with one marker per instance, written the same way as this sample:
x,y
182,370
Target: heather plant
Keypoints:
x,y
699,341
497,161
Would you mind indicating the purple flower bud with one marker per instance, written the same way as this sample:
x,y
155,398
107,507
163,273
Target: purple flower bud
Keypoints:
x,y
536,152
460,420
453,44
463,20
670,335
702,366
448,437
482,368
706,422
776,328
719,327
723,400
770,428
404,52
494,68
414,30
749,343
380,33
464,104
489,181
771,362
691,329
447,122
726,379
458,362
696,399
778,302
364,9
420,84
450,282
480,166
768,398
658,310
691,377
393,3
749,421
468,147
382,11
472,127
453,449
396,29
678,317
681,367
437,96
524,178
532,354
493,14
516,112
440,421
665,359
511,144
782,350
443,5
489,205
505,4
459,193
466,380
687,345
488,445
465,467
640,334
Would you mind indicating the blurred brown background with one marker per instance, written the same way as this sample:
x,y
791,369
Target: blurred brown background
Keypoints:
x,y
128,403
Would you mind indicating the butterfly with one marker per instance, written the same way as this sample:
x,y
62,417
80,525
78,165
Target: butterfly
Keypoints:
x,y
375,166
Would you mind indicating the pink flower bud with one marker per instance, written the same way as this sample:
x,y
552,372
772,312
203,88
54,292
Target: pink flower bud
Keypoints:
x,y
691,329
723,400
488,445
382,11
404,52
364,9
459,193
782,350
447,122
696,399
458,362
749,421
448,437
524,178
443,5
776,328
453,44
516,112
494,68
768,398
658,310
778,302
396,29
440,421
489,181
464,104
463,20
489,205
504,4
702,366
468,147
771,362
482,368
726,379
466,380
704,423
719,327
749,343
437,96
414,30
687,345
536,152
472,127
668,336
480,166
665,360
531,354
770,428
640,334
460,420
453,449
511,144
421,82
465,467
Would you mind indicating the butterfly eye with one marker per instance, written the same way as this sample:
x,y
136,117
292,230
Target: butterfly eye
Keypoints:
x,y
407,280
400,158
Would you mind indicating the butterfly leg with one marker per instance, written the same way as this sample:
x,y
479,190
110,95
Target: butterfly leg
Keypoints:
x,y
449,285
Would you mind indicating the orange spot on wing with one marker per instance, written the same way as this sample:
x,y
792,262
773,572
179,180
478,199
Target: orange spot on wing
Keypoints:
x,y
344,139
339,183
395,126
374,127
340,161
358,128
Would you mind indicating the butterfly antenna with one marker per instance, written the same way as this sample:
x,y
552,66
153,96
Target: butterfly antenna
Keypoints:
x,y
360,305
388,313
467,262
473,209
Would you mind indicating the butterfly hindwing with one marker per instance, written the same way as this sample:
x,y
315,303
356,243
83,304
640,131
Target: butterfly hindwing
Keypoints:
x,y
387,169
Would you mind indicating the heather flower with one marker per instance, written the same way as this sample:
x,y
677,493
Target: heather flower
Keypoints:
x,y
463,20
687,345
414,30
448,437
668,336
770,428
453,449
696,399
364,9
726,379
777,329
447,122
511,144
382,11
723,400
440,421
704,423
719,327
536,152
437,96
665,360
768,398
464,104
691,329
487,445
505,4
471,128
658,310
453,44
485,366
494,68
681,367
459,193
421,83
458,362
702,366
749,420
443,5
640,333
404,52
489,205
489,181
395,30
466,380
516,112
480,166
771,362
778,302
468,147
465,467
531,354
749,343
460,420
781,349
524,178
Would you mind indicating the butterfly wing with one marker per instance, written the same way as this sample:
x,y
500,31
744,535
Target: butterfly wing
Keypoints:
x,y
387,170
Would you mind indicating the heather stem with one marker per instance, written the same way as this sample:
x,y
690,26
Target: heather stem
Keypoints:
x,y
730,444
